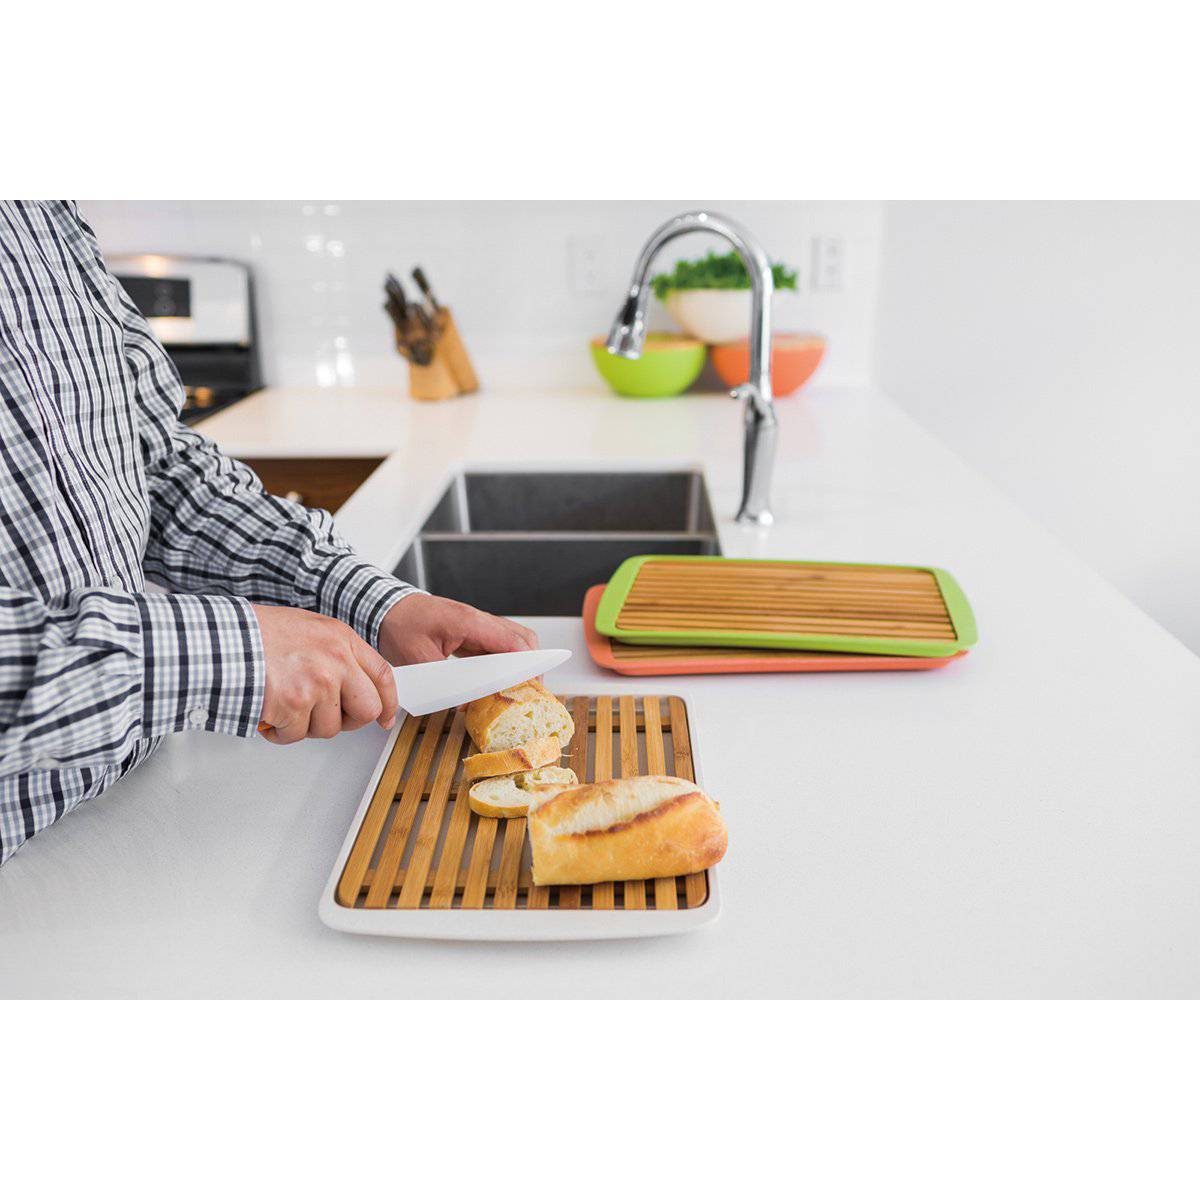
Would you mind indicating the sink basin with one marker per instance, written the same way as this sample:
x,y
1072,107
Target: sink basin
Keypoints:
x,y
573,501
531,543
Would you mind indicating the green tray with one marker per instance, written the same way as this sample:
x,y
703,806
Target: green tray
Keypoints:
x,y
962,619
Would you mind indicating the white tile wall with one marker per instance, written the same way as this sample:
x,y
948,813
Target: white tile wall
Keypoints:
x,y
530,282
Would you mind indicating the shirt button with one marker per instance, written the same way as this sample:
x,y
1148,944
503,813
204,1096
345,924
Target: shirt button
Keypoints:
x,y
197,717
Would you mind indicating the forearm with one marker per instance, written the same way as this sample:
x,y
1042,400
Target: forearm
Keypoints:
x,y
214,528
80,685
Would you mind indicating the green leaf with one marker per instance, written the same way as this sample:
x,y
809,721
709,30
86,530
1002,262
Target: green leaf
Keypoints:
x,y
724,271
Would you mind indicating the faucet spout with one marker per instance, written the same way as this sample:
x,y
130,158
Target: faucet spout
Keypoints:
x,y
628,334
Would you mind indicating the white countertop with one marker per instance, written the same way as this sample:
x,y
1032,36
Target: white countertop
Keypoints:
x,y
1024,822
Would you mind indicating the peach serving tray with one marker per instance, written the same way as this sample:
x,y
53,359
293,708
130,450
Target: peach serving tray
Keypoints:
x,y
418,863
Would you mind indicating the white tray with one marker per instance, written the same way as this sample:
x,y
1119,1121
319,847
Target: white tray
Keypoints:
x,y
490,924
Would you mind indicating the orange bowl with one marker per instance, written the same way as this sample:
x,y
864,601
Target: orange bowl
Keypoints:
x,y
794,357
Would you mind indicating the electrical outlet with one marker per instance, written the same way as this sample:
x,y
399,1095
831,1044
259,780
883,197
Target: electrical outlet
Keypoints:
x,y
587,264
828,273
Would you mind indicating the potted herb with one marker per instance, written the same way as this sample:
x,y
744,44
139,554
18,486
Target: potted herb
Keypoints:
x,y
710,296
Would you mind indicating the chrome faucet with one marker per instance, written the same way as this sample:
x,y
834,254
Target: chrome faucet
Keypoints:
x,y
629,332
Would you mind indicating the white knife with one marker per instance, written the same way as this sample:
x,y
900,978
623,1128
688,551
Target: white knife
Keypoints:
x,y
430,687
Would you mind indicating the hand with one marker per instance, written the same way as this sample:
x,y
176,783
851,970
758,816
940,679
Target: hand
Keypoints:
x,y
322,678
423,628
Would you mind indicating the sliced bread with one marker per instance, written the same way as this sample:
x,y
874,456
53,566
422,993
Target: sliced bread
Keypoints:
x,y
541,752
511,795
516,715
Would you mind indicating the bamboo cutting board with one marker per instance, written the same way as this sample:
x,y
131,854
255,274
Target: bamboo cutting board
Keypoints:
x,y
629,659
861,608
419,863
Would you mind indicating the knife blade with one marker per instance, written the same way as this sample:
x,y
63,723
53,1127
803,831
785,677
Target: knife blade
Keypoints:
x,y
430,687
422,281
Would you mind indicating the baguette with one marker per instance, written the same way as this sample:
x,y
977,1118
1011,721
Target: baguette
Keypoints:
x,y
516,715
644,828
511,795
541,752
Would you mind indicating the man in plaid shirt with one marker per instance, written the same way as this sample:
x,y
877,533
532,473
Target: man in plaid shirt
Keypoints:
x,y
269,616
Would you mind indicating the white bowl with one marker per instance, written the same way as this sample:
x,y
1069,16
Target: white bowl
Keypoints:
x,y
716,315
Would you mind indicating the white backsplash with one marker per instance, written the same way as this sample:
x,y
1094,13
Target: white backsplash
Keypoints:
x,y
529,282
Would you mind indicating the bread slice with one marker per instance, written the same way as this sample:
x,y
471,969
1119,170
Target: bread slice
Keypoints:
x,y
644,828
511,795
541,752
518,715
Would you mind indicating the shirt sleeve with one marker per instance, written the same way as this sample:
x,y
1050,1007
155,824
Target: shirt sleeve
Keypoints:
x,y
215,528
82,684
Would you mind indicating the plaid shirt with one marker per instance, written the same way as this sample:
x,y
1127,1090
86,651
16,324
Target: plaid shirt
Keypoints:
x,y
101,489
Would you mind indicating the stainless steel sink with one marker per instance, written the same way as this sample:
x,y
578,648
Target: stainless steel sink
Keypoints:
x,y
573,501
530,543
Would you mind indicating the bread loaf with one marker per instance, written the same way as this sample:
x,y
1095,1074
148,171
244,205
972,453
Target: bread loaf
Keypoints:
x,y
518,715
642,828
511,795
541,752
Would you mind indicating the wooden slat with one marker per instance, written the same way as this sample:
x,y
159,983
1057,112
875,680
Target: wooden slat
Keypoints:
x,y
577,760
717,568
363,849
635,653
798,606
445,880
665,891
849,627
695,886
510,864
431,822
604,895
475,889
410,798
635,889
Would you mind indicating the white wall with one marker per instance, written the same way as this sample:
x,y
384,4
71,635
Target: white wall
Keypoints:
x,y
1056,346
531,281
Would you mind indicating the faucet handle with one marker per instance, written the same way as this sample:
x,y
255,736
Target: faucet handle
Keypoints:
x,y
754,400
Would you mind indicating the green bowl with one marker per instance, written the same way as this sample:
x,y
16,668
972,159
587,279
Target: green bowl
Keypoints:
x,y
668,366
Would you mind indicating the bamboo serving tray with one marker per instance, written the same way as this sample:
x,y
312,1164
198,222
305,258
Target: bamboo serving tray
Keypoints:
x,y
728,660
776,604
418,863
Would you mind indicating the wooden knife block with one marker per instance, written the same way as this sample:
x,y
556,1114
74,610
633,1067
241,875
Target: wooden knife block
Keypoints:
x,y
450,373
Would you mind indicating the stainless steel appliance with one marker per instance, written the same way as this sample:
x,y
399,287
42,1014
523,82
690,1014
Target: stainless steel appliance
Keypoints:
x,y
202,310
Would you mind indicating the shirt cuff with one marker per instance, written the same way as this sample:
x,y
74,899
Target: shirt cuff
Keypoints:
x,y
360,594
203,664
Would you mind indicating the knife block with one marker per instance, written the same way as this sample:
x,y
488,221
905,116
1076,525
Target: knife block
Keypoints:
x,y
432,382
450,373
457,358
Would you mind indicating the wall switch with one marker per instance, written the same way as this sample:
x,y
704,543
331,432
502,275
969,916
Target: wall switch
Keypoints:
x,y
587,264
828,271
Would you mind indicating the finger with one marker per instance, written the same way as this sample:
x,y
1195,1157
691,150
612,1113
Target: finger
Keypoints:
x,y
497,635
360,699
326,720
379,672
524,634
285,730
373,688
